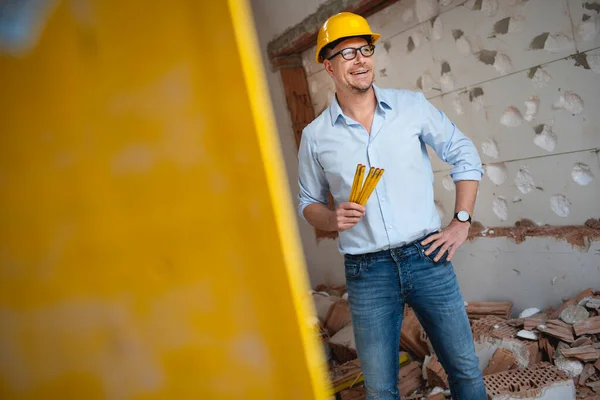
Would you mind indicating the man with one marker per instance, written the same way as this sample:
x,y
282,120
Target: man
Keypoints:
x,y
394,250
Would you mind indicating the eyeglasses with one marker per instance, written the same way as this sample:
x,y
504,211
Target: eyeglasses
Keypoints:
x,y
350,53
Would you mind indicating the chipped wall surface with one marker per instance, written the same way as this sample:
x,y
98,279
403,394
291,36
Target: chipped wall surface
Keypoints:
x,y
551,144
520,78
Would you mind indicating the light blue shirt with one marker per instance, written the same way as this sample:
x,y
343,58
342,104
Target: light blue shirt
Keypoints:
x,y
401,209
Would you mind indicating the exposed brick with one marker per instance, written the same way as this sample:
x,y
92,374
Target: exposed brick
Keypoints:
x,y
502,360
582,341
588,370
493,326
526,382
558,329
409,378
583,353
576,235
410,335
343,345
481,309
436,376
338,317
303,35
587,326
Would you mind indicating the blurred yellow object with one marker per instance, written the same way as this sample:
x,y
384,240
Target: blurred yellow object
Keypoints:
x,y
341,25
149,247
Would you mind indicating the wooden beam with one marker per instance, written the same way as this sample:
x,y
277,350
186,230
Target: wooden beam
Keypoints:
x,y
303,36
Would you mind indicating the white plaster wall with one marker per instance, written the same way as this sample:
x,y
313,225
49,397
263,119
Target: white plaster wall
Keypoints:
x,y
486,266
419,36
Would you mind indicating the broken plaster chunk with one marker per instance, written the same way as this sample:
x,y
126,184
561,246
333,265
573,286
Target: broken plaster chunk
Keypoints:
x,y
593,59
464,46
529,312
593,304
448,183
426,9
545,137
588,30
560,205
573,314
527,334
489,7
512,117
541,78
500,208
559,43
418,38
476,98
571,102
457,104
502,63
531,108
447,82
408,15
497,173
584,300
572,368
490,148
524,180
437,29
425,82
582,174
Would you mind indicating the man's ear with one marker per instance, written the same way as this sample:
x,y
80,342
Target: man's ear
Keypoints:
x,y
328,67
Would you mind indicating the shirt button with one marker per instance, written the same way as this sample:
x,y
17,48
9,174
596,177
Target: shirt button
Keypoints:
x,y
383,199
390,227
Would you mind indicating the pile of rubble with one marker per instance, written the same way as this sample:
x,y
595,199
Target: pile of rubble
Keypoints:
x,y
549,354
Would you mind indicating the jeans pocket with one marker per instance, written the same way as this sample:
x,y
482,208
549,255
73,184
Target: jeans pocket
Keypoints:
x,y
433,254
353,269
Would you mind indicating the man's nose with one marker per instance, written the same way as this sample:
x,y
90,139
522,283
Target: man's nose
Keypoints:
x,y
359,57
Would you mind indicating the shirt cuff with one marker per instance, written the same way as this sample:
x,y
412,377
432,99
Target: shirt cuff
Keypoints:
x,y
474,175
301,208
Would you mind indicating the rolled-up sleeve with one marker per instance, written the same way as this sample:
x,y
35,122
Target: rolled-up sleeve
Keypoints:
x,y
311,177
449,143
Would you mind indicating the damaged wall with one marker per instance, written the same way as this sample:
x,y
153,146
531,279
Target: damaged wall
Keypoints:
x,y
521,79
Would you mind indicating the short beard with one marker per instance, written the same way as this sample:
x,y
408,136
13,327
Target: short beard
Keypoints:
x,y
360,89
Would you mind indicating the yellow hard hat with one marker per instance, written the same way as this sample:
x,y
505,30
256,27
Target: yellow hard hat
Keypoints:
x,y
344,24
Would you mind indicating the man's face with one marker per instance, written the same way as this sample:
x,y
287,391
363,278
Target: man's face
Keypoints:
x,y
355,75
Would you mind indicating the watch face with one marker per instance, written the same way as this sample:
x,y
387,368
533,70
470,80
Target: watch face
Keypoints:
x,y
463,216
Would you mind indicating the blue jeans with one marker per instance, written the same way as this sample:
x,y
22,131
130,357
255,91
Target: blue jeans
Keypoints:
x,y
379,284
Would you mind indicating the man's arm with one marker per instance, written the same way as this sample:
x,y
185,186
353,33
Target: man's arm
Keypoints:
x,y
455,234
313,205
344,217
453,147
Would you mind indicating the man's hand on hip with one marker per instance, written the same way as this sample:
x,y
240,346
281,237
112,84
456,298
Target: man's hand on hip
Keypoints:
x,y
347,215
450,239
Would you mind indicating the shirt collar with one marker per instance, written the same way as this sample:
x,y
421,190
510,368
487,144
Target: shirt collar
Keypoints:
x,y
335,111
